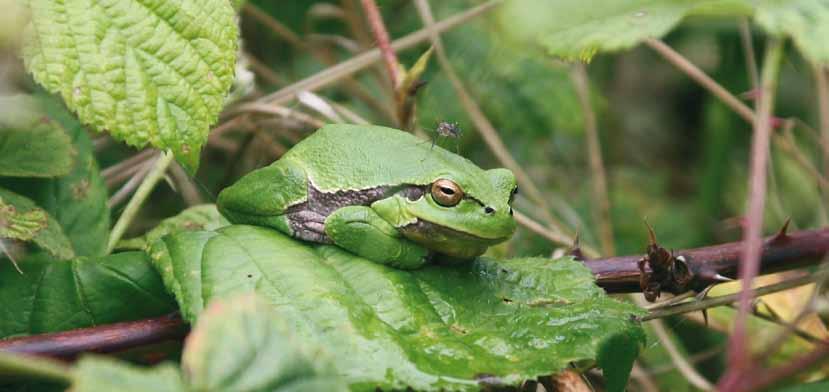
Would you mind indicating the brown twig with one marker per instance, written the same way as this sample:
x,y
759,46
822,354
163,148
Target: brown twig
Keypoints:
x,y
264,71
554,237
280,29
700,77
100,339
351,86
127,189
712,264
346,68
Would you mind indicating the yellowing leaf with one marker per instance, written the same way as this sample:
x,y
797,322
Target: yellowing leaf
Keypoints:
x,y
21,219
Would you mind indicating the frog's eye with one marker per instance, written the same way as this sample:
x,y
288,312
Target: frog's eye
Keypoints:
x,y
446,193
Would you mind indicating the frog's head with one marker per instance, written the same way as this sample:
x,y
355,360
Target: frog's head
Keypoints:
x,y
461,215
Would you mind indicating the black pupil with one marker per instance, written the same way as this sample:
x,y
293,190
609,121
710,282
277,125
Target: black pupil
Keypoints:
x,y
447,191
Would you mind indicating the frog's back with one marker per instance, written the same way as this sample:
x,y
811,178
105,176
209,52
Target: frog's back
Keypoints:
x,y
354,157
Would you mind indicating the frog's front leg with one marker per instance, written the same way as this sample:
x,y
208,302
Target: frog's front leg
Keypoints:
x,y
361,231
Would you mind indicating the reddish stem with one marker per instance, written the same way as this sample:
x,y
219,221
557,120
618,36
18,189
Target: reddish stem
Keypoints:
x,y
101,339
759,378
739,357
382,37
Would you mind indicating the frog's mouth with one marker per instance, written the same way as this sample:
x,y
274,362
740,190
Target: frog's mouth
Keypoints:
x,y
448,241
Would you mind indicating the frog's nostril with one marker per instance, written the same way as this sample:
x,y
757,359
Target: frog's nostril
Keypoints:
x,y
510,211
489,210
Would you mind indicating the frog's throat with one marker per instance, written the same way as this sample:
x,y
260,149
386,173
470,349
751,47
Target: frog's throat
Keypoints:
x,y
447,240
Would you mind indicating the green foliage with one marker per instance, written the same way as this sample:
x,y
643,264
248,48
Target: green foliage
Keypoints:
x,y
616,356
808,387
517,79
805,21
575,29
145,71
77,200
21,219
52,296
31,143
15,367
452,327
98,374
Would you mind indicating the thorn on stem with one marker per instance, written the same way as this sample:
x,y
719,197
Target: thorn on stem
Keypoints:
x,y
782,235
701,296
706,275
721,278
651,235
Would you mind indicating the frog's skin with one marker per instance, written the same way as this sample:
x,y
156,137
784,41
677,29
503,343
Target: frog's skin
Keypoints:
x,y
369,190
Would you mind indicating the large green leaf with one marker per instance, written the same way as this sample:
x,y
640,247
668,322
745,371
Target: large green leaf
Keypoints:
x,y
578,29
147,71
31,143
58,295
22,220
442,327
805,21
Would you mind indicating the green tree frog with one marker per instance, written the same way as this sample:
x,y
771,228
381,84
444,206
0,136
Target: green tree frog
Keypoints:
x,y
379,193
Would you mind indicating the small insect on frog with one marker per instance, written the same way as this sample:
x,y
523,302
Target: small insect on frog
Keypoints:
x,y
367,190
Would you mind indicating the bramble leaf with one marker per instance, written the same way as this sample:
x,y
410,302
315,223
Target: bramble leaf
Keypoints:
x,y
577,30
805,21
31,143
451,327
54,295
147,71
